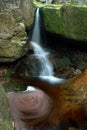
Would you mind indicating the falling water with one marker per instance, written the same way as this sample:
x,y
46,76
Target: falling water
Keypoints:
x,y
36,30
46,67
46,71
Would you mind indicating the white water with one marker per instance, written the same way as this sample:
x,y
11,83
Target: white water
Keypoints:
x,y
36,30
46,67
46,71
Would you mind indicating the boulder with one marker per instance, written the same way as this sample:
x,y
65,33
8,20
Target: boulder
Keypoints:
x,y
28,67
5,121
15,16
68,21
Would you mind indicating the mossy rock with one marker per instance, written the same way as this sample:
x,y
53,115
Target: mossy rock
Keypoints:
x,y
63,62
5,121
15,18
75,22
67,20
52,20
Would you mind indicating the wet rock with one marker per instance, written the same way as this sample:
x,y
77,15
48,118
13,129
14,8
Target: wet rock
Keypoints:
x,y
29,66
71,21
5,120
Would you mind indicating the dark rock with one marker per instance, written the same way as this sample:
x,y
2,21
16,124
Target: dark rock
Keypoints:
x,y
29,66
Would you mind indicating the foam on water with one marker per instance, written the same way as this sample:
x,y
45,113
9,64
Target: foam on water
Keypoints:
x,y
52,79
30,88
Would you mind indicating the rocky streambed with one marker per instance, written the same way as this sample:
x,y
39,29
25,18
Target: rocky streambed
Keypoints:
x,y
68,64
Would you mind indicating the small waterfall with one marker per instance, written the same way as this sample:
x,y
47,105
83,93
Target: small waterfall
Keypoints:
x,y
46,71
36,30
46,67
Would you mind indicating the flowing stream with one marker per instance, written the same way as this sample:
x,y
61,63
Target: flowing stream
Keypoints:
x,y
31,102
46,71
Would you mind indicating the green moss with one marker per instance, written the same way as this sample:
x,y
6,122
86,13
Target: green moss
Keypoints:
x,y
12,85
63,63
52,19
15,87
7,77
40,4
75,22
70,21
5,122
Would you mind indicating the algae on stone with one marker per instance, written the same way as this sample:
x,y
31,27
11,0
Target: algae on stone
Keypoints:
x,y
14,19
68,20
5,121
52,19
13,45
75,22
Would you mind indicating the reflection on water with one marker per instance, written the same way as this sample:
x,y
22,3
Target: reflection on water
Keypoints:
x,y
29,107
